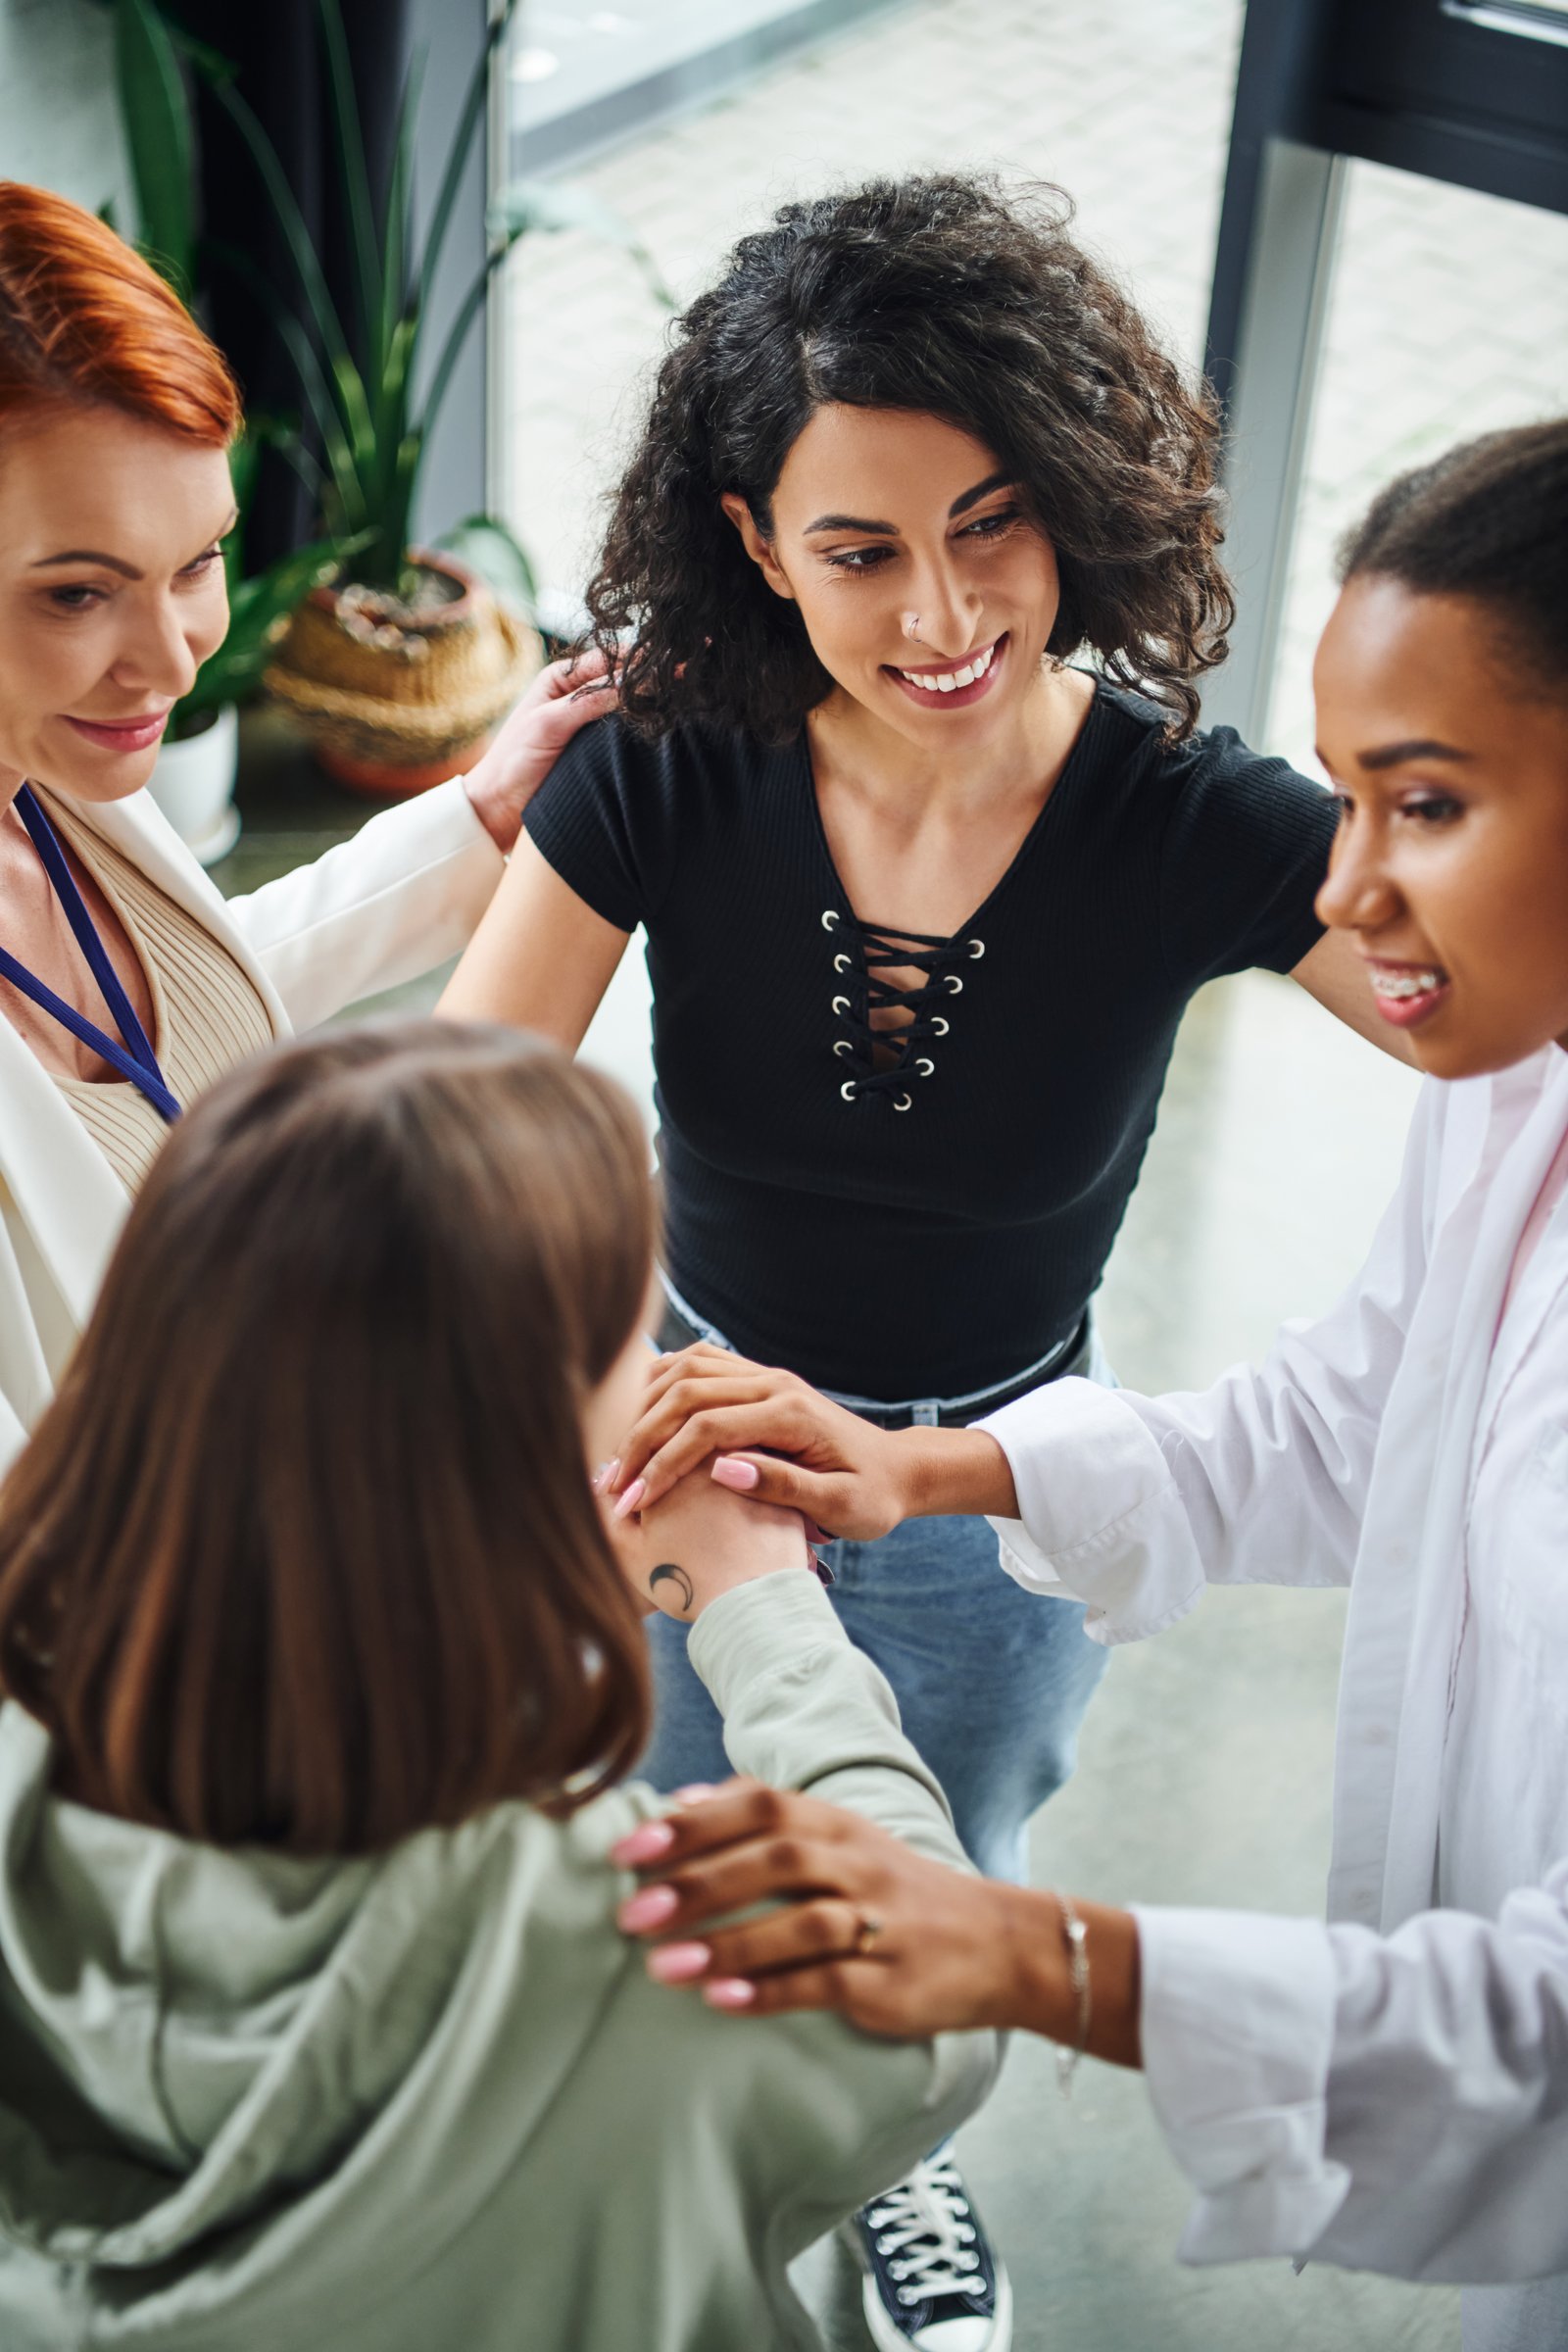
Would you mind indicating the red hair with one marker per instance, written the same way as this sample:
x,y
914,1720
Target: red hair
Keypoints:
x,y
82,317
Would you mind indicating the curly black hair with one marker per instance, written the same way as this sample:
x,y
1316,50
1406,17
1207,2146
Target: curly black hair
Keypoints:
x,y
1488,519
939,295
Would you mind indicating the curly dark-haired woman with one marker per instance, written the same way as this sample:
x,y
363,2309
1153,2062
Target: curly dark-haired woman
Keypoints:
x,y
924,903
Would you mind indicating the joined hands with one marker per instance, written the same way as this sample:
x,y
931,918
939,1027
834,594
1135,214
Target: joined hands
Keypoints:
x,y
771,1438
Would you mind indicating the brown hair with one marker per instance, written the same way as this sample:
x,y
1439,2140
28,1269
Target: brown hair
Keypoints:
x,y
82,317
935,294
304,1552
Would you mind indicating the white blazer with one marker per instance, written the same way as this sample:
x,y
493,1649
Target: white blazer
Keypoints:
x,y
1389,2091
400,897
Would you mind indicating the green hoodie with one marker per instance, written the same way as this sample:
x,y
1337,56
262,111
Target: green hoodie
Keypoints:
x,y
430,2099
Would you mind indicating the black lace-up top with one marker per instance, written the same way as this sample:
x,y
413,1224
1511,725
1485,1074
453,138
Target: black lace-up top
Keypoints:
x,y
922,1212
889,1061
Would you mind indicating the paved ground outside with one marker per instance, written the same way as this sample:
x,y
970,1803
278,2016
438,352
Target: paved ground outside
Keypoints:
x,y
1205,1768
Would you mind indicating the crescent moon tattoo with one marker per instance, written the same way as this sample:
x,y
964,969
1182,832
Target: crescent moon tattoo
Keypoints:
x,y
677,1577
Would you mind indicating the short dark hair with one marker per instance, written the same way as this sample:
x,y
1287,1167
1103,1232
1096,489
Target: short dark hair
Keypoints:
x,y
1488,519
303,1553
934,295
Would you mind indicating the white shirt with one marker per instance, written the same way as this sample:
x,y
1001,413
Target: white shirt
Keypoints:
x,y
1389,2091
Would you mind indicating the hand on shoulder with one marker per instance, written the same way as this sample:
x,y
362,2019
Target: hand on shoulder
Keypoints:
x,y
559,701
899,1945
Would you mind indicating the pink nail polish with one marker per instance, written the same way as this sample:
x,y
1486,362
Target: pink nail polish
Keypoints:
x,y
729,1992
675,1962
631,1498
740,1477
650,1907
642,1845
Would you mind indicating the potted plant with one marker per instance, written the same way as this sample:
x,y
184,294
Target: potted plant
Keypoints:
x,y
400,669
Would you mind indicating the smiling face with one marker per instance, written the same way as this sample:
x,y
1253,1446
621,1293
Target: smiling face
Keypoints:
x,y
927,591
1451,865
112,593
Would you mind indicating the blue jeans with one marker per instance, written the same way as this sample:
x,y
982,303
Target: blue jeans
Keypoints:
x,y
991,1682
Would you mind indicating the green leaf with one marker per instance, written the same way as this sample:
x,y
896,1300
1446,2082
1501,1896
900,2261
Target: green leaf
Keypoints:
x,y
486,544
468,309
292,221
349,140
348,490
395,226
156,112
550,206
468,119
212,63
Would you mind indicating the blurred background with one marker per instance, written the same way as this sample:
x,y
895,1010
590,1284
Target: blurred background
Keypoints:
x,y
613,156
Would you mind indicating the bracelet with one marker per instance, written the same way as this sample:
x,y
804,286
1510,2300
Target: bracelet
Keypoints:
x,y
1077,1940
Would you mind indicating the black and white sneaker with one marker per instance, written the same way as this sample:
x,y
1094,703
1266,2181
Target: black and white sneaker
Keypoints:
x,y
932,2284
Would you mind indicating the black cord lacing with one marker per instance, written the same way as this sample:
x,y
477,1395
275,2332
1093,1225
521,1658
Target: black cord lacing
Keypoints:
x,y
863,955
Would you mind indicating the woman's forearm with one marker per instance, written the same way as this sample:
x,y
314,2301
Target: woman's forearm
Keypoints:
x,y
1040,1996
954,1473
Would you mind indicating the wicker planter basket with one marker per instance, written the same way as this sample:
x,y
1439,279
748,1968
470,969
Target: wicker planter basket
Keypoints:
x,y
393,708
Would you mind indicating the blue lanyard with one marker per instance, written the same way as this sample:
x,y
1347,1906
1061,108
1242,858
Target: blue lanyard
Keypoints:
x,y
135,1058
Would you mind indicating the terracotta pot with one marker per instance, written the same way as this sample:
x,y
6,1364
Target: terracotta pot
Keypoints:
x,y
386,781
394,709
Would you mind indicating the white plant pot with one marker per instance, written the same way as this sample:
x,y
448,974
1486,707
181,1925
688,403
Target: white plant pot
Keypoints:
x,y
193,784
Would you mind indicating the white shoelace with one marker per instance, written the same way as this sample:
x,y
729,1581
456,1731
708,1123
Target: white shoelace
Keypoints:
x,y
924,2234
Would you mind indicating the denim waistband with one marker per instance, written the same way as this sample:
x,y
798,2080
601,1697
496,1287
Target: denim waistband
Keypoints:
x,y
684,1323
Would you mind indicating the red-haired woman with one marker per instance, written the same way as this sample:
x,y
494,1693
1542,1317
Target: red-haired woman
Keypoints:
x,y
126,984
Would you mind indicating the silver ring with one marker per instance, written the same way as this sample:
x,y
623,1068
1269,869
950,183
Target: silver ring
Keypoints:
x,y
866,1931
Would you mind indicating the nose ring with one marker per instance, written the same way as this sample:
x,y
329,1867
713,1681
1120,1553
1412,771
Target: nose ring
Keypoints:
x,y
912,627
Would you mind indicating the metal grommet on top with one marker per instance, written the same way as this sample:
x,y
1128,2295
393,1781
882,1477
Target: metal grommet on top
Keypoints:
x,y
843,1045
902,1102
939,1024
925,1066
841,1004
830,918
977,948
848,1090
954,986
841,962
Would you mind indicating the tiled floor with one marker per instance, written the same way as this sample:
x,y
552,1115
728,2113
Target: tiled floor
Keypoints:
x,y
1204,1767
